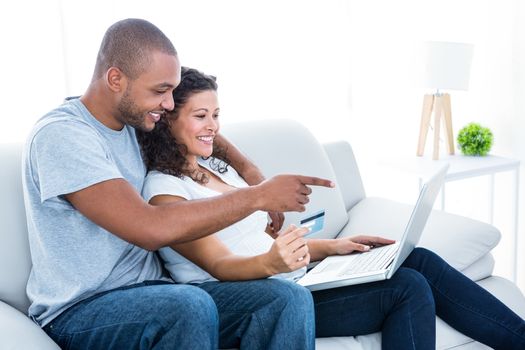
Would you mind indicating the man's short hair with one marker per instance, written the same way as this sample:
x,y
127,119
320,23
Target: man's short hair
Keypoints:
x,y
128,44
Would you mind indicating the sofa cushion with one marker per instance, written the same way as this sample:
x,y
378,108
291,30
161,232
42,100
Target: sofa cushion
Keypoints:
x,y
15,260
291,148
17,331
460,241
481,268
361,342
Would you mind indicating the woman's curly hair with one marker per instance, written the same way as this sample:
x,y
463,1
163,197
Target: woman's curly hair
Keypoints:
x,y
160,149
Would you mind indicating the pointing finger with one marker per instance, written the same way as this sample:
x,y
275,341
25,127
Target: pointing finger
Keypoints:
x,y
316,181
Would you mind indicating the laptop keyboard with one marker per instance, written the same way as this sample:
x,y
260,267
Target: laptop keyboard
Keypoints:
x,y
373,260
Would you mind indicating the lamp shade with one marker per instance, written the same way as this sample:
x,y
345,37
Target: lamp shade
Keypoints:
x,y
447,65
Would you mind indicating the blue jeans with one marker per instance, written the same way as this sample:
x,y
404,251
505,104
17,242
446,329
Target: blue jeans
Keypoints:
x,y
261,314
148,315
404,308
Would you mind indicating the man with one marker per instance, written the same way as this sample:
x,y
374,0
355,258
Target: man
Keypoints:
x,y
96,282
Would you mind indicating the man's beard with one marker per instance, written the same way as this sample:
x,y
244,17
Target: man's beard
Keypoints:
x,y
130,113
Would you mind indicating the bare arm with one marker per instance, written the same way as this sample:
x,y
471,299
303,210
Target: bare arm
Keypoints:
x,y
244,166
288,253
251,174
117,207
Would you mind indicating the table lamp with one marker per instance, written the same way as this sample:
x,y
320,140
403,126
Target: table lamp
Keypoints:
x,y
447,67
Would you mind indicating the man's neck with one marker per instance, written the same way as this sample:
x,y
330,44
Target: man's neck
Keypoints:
x,y
101,105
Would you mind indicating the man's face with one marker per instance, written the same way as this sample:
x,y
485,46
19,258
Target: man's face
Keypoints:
x,y
149,96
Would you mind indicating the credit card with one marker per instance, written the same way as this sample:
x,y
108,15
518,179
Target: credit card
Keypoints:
x,y
314,222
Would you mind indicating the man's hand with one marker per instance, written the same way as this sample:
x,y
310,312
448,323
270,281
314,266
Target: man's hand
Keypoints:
x,y
276,223
274,205
253,176
287,192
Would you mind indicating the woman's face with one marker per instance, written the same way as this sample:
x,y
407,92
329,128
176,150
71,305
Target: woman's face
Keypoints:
x,y
197,124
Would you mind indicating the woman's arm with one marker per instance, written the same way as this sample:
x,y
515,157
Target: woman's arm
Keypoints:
x,y
288,253
321,248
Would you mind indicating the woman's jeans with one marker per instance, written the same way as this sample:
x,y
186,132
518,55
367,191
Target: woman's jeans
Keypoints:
x,y
403,308
260,314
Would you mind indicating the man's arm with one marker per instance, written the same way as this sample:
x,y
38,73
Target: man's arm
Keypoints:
x,y
118,208
251,174
244,166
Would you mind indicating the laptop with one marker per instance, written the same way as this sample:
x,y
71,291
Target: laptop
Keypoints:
x,y
382,262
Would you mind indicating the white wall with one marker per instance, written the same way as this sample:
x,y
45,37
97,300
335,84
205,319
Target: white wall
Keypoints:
x,y
516,124
31,64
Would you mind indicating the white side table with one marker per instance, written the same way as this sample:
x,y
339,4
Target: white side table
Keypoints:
x,y
463,167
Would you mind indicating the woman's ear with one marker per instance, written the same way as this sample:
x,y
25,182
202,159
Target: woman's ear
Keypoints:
x,y
116,80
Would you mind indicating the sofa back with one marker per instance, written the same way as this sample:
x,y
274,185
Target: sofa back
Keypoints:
x,y
346,171
285,146
15,260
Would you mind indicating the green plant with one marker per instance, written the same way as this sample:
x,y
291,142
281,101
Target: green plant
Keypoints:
x,y
475,140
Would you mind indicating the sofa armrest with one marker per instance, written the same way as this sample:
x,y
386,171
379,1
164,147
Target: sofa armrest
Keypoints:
x,y
17,331
459,240
481,268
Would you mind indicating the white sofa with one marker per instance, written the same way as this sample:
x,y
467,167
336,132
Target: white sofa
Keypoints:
x,y
277,146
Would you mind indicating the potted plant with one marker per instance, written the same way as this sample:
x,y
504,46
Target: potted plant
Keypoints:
x,y
475,140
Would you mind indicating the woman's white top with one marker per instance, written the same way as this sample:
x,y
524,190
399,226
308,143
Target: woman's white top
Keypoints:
x,y
246,237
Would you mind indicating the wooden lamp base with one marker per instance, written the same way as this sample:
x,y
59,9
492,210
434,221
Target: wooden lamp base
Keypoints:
x,y
440,105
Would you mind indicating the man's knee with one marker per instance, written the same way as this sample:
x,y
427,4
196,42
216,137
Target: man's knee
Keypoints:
x,y
188,317
291,296
187,304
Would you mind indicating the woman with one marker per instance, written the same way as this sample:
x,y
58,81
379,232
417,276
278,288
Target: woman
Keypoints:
x,y
184,164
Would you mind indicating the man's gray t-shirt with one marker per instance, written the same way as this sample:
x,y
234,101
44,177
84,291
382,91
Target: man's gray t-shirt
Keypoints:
x,y
73,258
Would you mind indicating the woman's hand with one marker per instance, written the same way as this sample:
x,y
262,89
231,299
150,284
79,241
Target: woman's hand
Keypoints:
x,y
360,243
289,251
